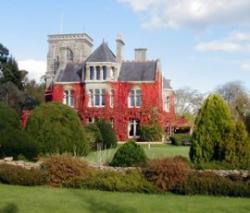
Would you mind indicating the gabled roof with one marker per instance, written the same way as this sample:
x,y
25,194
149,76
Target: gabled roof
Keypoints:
x,y
72,73
138,71
166,83
102,54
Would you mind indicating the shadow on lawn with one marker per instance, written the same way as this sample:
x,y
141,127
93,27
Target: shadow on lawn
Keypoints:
x,y
10,208
105,207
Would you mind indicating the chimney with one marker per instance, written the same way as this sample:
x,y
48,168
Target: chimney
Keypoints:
x,y
119,48
140,54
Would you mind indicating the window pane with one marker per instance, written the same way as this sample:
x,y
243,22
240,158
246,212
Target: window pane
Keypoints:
x,y
131,129
137,128
132,101
97,100
104,72
91,73
98,73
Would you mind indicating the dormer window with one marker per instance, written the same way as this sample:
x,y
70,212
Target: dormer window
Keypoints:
x,y
134,99
68,98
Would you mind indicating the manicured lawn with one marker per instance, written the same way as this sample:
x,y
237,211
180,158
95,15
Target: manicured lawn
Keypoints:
x,y
18,199
155,151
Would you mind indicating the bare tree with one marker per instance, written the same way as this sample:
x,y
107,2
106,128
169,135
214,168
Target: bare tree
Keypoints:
x,y
188,100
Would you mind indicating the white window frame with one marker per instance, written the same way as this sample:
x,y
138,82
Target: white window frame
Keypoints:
x,y
97,98
111,98
135,124
166,103
68,98
135,98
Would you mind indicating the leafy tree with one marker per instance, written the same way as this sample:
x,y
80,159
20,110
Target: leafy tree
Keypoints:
x,y
4,53
57,128
129,154
213,129
14,141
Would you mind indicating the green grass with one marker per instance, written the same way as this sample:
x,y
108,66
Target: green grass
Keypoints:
x,y
18,199
155,151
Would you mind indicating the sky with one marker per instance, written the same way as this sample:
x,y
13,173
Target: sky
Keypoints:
x,y
201,43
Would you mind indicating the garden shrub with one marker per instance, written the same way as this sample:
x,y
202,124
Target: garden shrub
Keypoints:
x,y
129,154
213,130
180,139
57,128
123,181
18,143
107,134
94,135
62,169
208,183
166,173
17,175
151,132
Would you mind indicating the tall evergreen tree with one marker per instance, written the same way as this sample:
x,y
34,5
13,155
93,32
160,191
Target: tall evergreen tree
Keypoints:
x,y
212,130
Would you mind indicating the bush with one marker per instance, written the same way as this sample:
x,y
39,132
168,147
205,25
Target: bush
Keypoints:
x,y
17,175
57,128
211,184
62,169
166,173
18,143
212,131
94,135
129,154
128,181
180,139
151,132
107,134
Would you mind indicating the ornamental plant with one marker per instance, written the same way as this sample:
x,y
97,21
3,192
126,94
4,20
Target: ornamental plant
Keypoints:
x,y
57,128
213,131
129,154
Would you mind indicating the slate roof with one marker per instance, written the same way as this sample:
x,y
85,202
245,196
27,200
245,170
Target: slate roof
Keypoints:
x,y
166,83
137,71
72,73
102,54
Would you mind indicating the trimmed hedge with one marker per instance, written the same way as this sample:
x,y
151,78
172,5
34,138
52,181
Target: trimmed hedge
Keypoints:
x,y
17,175
180,139
129,154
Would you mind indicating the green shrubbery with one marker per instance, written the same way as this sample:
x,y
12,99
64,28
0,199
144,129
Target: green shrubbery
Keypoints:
x,y
17,175
180,139
129,154
208,183
151,132
56,128
102,133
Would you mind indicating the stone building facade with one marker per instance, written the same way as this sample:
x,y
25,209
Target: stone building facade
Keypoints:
x,y
102,85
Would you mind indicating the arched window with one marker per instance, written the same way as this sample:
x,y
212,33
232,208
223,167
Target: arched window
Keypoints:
x,y
68,98
134,99
69,55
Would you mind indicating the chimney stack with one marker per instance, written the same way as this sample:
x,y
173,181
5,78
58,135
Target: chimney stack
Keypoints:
x,y
119,48
140,54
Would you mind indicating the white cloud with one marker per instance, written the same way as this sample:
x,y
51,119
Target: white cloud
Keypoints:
x,y
36,68
195,14
235,42
245,66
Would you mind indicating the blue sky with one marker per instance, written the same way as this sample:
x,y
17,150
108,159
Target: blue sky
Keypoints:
x,y
201,43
